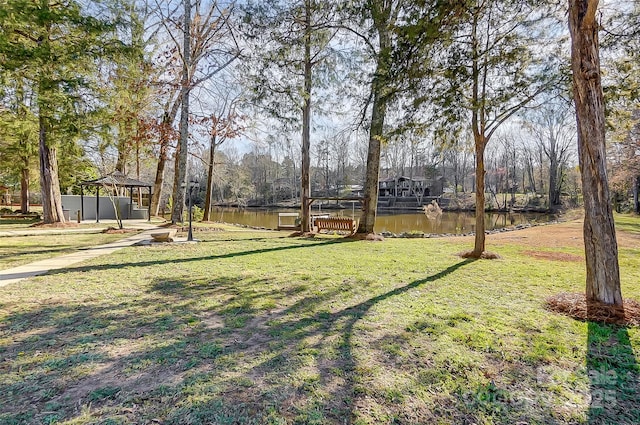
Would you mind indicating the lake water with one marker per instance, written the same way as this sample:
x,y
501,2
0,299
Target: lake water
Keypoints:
x,y
398,222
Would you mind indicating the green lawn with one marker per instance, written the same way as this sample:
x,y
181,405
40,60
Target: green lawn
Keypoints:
x,y
19,250
252,327
628,223
19,223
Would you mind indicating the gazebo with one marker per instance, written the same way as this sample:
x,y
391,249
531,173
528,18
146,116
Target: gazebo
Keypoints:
x,y
117,180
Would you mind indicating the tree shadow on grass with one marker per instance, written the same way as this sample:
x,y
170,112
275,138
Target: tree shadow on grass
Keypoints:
x,y
327,337
355,313
614,377
168,355
60,360
120,265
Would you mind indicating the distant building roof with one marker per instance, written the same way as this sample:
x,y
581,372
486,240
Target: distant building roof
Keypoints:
x,y
391,179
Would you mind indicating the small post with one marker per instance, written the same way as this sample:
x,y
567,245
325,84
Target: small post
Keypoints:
x,y
81,202
79,214
97,204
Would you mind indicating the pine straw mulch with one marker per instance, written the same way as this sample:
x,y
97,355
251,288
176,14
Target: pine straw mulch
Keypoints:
x,y
577,307
486,255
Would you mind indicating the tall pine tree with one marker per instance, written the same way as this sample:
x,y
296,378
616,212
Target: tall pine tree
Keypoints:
x,y
291,42
55,45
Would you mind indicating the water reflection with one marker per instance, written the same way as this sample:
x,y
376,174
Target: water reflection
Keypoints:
x,y
399,222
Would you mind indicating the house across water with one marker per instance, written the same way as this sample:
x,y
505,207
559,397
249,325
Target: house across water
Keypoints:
x,y
408,192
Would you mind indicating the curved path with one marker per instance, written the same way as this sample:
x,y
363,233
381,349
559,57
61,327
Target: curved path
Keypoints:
x,y
16,274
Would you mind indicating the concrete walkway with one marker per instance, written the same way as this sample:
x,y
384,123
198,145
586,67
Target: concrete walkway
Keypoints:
x,y
31,231
16,274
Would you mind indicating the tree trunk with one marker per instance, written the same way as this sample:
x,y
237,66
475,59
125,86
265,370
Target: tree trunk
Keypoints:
x,y
513,180
181,151
479,243
480,142
207,199
49,183
554,190
123,134
163,155
636,203
601,249
464,173
541,173
378,113
159,180
24,186
305,191
370,203
456,172
531,173
139,189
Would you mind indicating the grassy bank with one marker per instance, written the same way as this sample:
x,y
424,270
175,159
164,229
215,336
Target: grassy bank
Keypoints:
x,y
252,327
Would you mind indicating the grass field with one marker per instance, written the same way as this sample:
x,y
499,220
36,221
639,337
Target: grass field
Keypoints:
x,y
252,327
19,250
10,224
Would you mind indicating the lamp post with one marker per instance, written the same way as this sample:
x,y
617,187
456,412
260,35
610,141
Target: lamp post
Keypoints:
x,y
192,185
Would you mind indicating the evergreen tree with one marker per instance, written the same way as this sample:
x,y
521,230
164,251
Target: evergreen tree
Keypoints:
x,y
291,41
130,89
19,129
399,36
55,46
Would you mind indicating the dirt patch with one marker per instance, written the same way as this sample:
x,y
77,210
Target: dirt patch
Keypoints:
x,y
560,235
212,321
577,307
554,256
110,375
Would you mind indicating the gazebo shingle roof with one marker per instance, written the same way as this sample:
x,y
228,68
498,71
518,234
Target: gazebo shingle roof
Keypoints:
x,y
116,178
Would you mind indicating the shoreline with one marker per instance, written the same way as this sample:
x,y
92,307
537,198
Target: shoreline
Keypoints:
x,y
334,207
422,235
